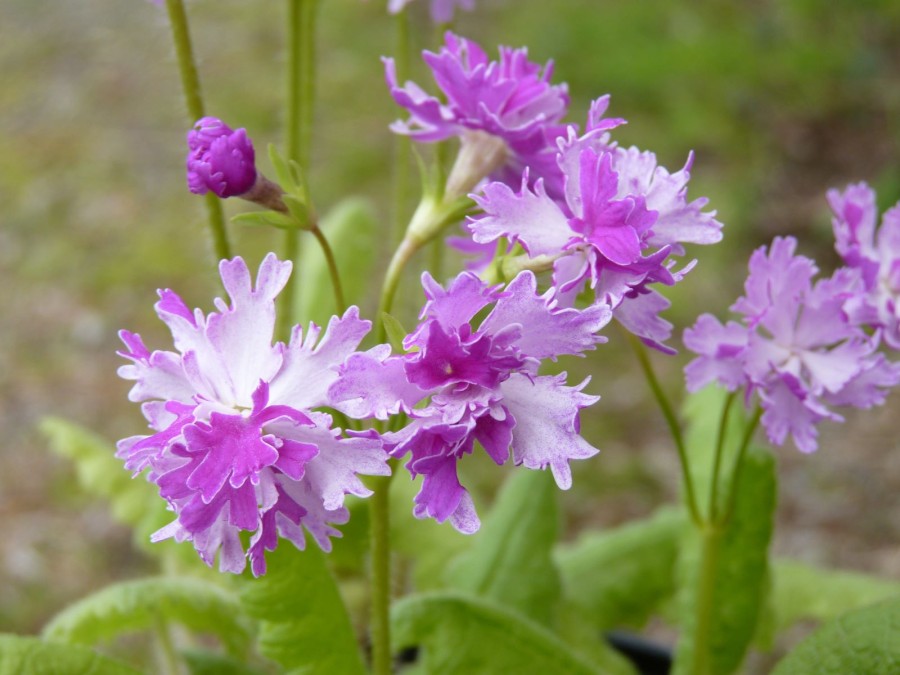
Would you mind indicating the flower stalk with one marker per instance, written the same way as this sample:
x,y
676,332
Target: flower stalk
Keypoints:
x,y
193,98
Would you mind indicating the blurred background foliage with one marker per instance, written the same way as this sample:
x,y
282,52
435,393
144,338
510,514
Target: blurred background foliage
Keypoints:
x,y
779,100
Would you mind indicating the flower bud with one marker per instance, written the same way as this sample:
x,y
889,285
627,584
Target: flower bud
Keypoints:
x,y
219,159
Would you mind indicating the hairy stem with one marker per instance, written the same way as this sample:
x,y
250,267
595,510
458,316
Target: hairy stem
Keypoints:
x,y
193,98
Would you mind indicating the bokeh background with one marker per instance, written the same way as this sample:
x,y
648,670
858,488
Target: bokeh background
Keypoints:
x,y
779,99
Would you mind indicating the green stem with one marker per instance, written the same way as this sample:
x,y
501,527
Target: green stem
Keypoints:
x,y
332,269
301,19
391,280
379,526
709,563
717,460
672,421
739,463
193,98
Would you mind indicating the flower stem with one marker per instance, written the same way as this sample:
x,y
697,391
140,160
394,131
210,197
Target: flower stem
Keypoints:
x,y
739,463
332,269
391,280
717,459
301,67
709,561
193,98
672,421
379,529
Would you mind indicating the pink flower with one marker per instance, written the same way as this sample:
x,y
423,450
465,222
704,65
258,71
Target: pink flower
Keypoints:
x,y
237,442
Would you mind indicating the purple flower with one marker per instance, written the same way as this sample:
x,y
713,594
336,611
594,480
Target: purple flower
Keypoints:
x,y
794,346
441,10
236,442
505,112
483,386
876,256
219,159
622,218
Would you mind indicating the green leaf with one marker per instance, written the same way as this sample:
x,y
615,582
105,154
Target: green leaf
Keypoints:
x,y
510,560
863,641
352,229
802,592
266,219
133,501
202,662
138,605
461,634
32,656
303,623
621,576
738,571
395,331
282,170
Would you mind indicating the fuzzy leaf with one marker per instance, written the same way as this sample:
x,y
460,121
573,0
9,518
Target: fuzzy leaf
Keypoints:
x,y
138,605
739,570
461,634
303,624
802,592
510,559
619,577
202,662
133,501
863,641
352,229
32,656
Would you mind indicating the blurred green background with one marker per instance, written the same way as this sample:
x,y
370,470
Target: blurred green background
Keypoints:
x,y
780,100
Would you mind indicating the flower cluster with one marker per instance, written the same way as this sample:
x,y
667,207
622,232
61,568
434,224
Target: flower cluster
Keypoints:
x,y
875,256
482,384
506,113
237,442
795,346
619,222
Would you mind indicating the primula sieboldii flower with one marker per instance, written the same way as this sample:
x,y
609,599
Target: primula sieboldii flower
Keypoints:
x,y
237,443
506,112
441,10
483,383
794,346
876,256
621,220
219,160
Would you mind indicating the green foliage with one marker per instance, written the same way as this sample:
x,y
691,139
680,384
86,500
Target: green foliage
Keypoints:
x,y
142,604
265,219
202,662
803,592
303,624
352,231
395,331
621,576
32,656
133,501
862,641
510,560
734,560
461,634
